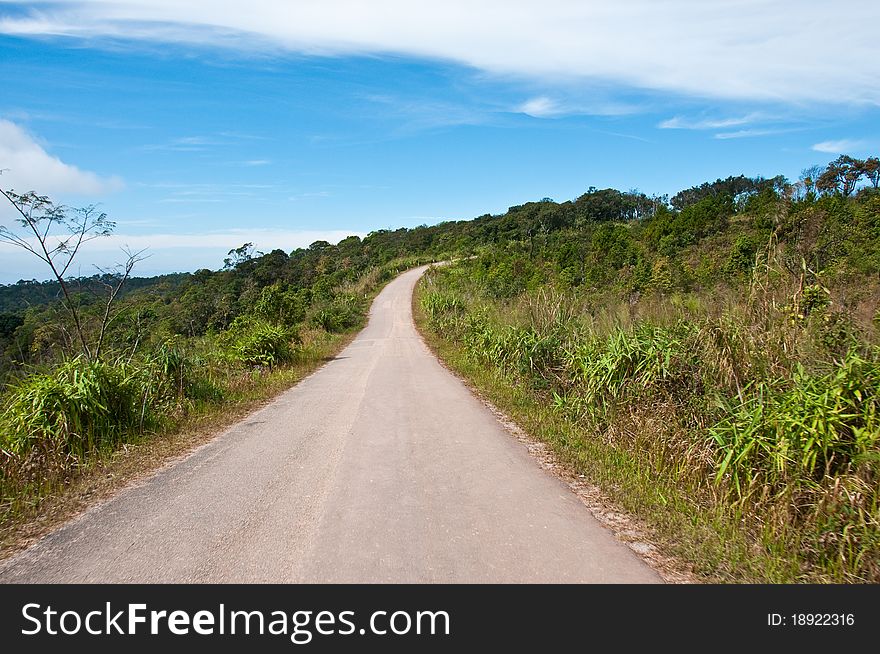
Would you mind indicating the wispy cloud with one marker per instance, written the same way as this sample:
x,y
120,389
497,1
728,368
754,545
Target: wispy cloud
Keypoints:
x,y
203,143
185,144
310,195
28,166
749,133
242,136
541,107
680,46
256,162
206,193
26,116
777,125
841,146
632,137
417,114
205,187
682,122
263,239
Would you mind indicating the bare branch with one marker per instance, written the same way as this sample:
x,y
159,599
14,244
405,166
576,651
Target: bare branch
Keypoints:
x,y
132,259
38,216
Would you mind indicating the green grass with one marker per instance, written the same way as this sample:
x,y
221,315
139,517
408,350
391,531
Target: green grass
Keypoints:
x,y
714,547
753,453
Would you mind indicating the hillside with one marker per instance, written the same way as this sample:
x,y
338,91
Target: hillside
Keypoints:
x,y
721,343
713,367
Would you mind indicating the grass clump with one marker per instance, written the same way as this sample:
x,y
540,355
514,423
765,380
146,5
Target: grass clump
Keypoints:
x,y
77,407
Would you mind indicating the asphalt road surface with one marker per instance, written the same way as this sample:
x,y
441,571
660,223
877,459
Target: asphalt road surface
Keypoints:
x,y
380,467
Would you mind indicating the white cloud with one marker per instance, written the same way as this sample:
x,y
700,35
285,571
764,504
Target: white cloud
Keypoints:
x,y
739,49
185,144
263,239
542,107
27,166
545,107
749,133
422,114
310,194
680,122
206,193
840,147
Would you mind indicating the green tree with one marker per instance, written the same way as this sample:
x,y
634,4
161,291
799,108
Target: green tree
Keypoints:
x,y
871,170
237,256
841,176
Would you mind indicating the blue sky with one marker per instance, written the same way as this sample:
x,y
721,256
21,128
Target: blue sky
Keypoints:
x,y
199,126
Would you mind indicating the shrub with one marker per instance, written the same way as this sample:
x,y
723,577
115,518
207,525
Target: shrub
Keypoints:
x,y
178,376
264,345
75,408
281,306
341,313
255,342
742,256
632,364
814,425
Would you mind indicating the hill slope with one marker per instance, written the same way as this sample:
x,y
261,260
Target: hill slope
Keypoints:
x,y
724,342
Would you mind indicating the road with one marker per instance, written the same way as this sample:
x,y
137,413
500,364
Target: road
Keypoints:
x,y
379,467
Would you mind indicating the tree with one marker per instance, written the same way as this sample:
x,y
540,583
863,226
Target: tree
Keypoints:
x,y
320,246
238,256
55,235
739,188
113,281
871,170
808,179
842,175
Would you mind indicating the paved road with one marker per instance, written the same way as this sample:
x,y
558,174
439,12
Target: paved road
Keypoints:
x,y
380,467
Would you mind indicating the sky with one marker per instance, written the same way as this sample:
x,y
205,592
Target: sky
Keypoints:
x,y
199,126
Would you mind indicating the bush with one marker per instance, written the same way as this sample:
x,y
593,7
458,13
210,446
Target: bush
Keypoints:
x,y
178,376
256,342
281,306
78,407
742,256
813,426
630,365
341,313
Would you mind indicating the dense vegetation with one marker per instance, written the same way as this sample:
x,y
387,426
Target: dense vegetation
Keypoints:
x,y
713,363
710,360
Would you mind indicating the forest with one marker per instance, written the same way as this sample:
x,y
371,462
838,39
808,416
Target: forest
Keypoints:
x,y
710,360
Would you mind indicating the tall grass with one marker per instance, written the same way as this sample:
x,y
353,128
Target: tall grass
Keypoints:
x,y
763,419
78,407
804,429
52,421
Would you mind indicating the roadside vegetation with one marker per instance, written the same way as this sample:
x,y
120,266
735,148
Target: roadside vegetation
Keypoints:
x,y
711,361
92,365
713,364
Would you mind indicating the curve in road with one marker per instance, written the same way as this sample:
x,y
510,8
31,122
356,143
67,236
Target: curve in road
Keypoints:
x,y
379,467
